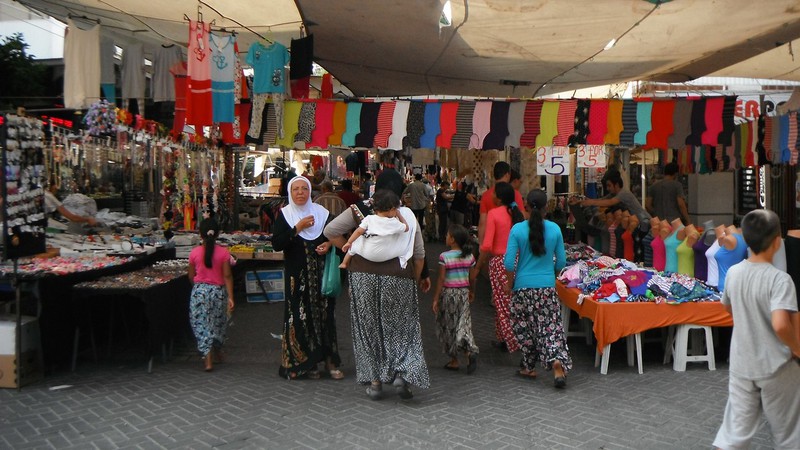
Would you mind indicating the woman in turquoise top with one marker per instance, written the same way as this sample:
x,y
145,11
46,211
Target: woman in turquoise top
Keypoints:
x,y
535,309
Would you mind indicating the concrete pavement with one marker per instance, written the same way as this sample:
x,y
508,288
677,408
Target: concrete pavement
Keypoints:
x,y
244,404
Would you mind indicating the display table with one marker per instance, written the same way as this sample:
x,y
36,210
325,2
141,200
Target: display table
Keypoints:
x,y
163,293
613,321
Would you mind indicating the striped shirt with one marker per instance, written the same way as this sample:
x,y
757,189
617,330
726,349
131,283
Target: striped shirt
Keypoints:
x,y
456,268
533,114
385,116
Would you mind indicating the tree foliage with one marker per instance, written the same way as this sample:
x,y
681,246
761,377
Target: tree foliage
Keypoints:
x,y
22,76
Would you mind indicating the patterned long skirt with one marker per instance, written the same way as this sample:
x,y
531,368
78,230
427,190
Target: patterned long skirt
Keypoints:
x,y
454,322
387,339
208,307
536,317
502,324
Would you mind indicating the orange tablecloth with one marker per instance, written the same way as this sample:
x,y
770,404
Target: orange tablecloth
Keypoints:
x,y
613,321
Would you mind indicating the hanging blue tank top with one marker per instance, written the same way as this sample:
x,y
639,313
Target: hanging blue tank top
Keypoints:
x,y
671,244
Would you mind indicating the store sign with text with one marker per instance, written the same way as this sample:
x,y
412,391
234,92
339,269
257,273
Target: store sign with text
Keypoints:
x,y
591,156
552,161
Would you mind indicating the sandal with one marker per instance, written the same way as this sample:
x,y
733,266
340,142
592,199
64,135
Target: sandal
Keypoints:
x,y
336,374
449,367
525,373
313,374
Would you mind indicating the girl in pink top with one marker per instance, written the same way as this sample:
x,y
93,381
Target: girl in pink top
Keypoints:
x,y
495,239
212,293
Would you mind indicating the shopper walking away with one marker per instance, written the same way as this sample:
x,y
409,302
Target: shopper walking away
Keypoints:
x,y
537,246
765,347
212,293
454,292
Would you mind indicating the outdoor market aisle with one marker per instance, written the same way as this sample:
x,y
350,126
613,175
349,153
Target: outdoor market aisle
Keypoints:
x,y
244,404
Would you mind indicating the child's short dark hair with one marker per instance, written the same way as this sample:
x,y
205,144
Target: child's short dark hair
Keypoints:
x,y
384,200
760,228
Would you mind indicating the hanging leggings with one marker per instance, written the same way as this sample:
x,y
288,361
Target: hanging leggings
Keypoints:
x,y
463,125
681,124
713,120
614,125
698,122
415,125
353,121
431,124
548,124
629,126
399,124
447,124
323,125
644,112
291,118
566,122
339,123
598,122
533,115
385,117
662,124
516,124
369,125
481,124
498,127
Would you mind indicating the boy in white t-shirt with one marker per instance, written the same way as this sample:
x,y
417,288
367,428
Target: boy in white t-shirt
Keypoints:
x,y
376,238
765,347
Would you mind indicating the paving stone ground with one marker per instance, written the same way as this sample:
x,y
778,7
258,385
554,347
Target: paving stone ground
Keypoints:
x,y
243,404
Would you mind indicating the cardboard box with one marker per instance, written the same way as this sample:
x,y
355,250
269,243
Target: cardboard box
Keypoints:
x,y
269,281
15,372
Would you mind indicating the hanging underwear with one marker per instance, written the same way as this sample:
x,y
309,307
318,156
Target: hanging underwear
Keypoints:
x,y
713,119
581,125
566,122
385,117
353,124
305,123
644,112
548,124
415,125
481,124
339,123
323,125
614,125
369,124
498,122
662,124
447,124
629,124
463,125
698,122
431,123
728,113
291,119
533,115
598,122
399,124
516,124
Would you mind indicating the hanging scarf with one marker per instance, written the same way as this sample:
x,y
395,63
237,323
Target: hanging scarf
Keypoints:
x,y
293,212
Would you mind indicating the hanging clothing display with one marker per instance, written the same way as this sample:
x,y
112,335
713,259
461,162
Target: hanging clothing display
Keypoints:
x,y
681,124
268,65
301,65
415,124
516,124
447,124
566,122
108,78
644,113
234,133
133,78
481,124
661,122
431,125
198,96
713,120
291,118
614,125
323,125
81,66
163,84
548,124
698,122
385,118
223,68
352,124
339,123
598,122
306,120
180,79
629,123
369,125
498,127
466,110
581,124
533,114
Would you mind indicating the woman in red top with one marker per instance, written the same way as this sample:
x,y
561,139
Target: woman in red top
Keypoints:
x,y
495,239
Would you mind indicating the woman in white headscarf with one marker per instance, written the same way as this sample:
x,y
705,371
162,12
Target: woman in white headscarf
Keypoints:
x,y
309,325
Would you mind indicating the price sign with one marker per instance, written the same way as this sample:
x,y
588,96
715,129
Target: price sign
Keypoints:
x,y
552,161
592,156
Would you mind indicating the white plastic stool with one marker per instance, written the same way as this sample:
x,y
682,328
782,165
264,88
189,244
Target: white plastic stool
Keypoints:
x,y
587,332
633,341
680,350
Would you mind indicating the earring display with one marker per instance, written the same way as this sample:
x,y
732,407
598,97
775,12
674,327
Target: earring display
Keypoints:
x,y
24,220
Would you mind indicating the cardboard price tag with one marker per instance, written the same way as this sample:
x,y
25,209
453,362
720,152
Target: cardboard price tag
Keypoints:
x,y
592,156
552,161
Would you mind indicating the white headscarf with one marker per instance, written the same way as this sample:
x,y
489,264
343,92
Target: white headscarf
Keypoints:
x,y
293,212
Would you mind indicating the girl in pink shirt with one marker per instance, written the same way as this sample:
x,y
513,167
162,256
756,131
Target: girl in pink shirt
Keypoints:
x,y
495,239
212,293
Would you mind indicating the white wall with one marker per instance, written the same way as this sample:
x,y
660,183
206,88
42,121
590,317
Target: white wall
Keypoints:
x,y
711,197
43,34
